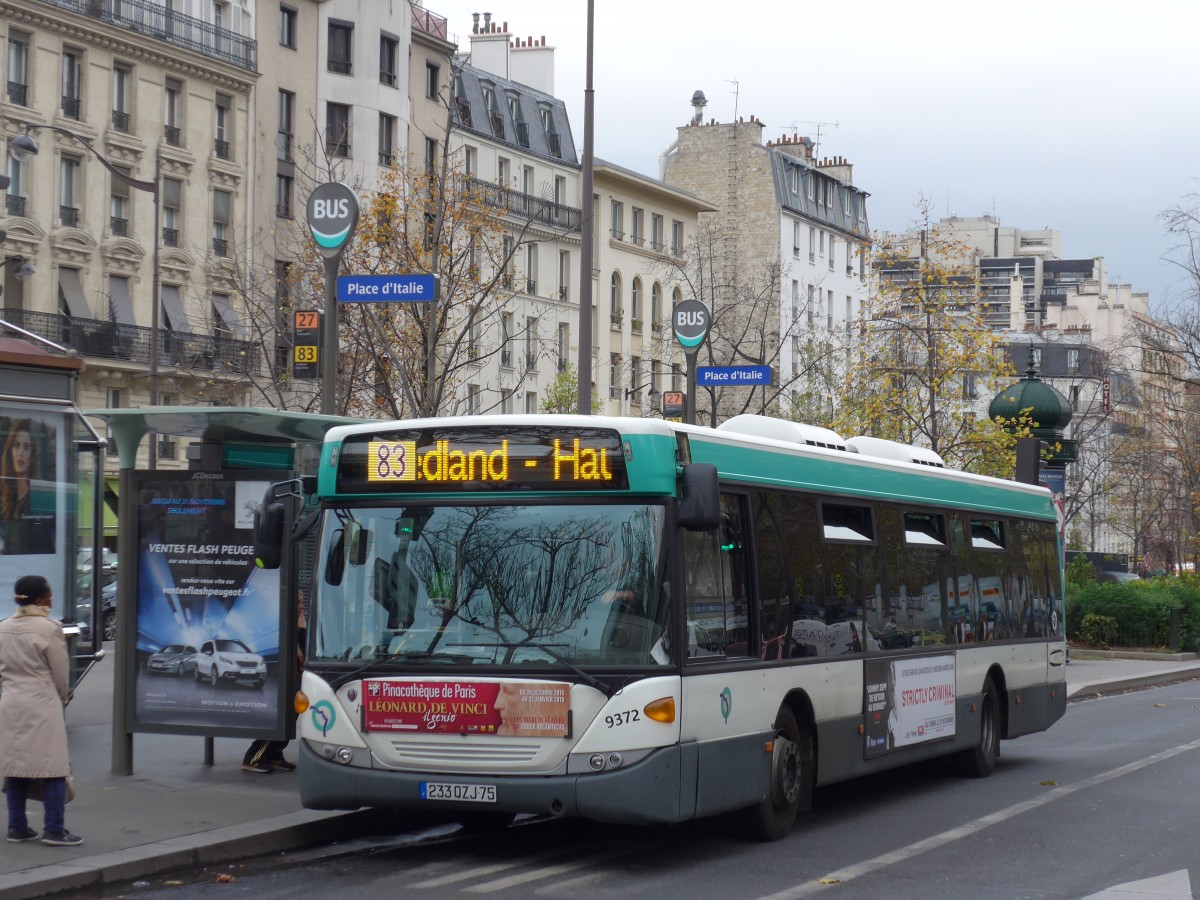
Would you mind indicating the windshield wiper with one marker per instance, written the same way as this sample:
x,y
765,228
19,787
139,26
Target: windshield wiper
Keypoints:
x,y
377,660
558,657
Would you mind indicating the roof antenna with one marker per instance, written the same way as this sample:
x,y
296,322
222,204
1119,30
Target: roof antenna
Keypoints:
x,y
817,139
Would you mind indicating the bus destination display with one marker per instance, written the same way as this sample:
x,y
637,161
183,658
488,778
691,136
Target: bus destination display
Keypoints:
x,y
483,458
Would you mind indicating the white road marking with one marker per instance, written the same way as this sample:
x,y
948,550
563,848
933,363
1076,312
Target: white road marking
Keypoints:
x,y
939,841
1172,886
548,871
493,868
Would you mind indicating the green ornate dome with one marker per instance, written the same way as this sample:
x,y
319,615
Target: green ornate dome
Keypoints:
x,y
1049,409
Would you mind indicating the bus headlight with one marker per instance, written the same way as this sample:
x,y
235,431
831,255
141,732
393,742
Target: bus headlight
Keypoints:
x,y
344,755
596,761
661,710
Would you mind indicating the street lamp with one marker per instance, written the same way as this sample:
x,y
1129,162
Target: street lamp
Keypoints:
x,y
654,393
23,148
24,270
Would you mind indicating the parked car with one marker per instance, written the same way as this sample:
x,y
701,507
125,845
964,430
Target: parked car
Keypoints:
x,y
173,659
108,606
224,661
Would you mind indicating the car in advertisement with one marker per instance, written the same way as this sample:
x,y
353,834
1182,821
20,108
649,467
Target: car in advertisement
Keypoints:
x,y
173,659
222,661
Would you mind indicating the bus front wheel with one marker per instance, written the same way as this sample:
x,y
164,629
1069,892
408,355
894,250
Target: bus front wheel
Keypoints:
x,y
980,760
772,819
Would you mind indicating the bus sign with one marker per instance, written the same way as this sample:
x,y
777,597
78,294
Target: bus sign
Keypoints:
x,y
306,343
512,708
332,217
483,458
691,320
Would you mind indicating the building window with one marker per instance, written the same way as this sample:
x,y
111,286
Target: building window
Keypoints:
x,y
506,332
614,376
470,161
563,345
283,196
287,128
341,45
221,217
635,303
118,205
173,112
677,239
494,117
224,124
657,244
527,180
68,191
122,84
389,52
531,343
337,130
530,402
812,303
832,241
433,79
172,195
970,389
656,307
560,189
796,240
564,275
431,156
387,139
614,300
18,68
617,229
531,269
502,171
812,244
72,82
287,26
472,399
637,226
1072,360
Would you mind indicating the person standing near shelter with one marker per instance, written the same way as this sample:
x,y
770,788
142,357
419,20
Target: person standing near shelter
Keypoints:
x,y
264,757
33,694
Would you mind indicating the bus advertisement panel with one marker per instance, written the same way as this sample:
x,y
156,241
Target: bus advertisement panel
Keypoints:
x,y
909,701
34,497
209,622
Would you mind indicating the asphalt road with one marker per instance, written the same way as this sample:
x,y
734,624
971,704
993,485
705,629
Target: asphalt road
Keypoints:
x,y
1106,798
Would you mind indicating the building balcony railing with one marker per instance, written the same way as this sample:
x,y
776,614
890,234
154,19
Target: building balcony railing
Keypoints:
x,y
170,237
70,107
155,20
430,23
69,216
221,148
338,149
340,66
506,359
171,135
527,206
18,93
120,121
102,339
118,226
14,205
220,247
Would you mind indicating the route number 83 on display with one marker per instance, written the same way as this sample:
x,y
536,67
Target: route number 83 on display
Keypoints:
x,y
392,461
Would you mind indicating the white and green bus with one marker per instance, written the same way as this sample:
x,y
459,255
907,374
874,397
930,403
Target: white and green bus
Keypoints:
x,y
636,621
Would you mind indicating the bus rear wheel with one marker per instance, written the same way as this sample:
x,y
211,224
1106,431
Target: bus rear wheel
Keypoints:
x,y
772,819
980,760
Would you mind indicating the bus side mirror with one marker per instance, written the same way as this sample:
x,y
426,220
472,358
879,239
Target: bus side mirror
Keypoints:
x,y
700,502
268,534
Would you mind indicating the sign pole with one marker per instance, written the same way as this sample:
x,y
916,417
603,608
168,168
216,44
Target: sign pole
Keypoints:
x,y
691,320
332,218
329,339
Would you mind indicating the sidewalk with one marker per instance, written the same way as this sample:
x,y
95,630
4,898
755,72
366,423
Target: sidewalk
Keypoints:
x,y
175,812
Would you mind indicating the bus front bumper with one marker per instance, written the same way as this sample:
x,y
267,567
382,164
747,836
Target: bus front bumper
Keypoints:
x,y
646,792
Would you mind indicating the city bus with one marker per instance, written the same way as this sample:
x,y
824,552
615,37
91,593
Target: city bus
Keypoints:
x,y
637,621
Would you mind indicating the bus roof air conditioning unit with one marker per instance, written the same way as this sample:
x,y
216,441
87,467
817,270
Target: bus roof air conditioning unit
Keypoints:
x,y
784,430
869,446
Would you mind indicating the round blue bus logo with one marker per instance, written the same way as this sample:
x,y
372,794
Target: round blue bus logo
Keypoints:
x,y
323,716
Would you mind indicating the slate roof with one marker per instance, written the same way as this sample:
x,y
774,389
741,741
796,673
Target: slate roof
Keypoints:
x,y
835,216
471,115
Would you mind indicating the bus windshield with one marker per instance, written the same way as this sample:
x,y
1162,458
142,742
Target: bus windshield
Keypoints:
x,y
530,585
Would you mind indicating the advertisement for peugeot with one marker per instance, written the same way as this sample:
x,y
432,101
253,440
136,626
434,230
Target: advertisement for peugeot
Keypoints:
x,y
209,621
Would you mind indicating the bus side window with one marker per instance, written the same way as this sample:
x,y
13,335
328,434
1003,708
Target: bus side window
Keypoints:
x,y
717,576
775,586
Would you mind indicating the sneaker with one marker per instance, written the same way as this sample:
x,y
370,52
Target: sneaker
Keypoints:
x,y
62,838
18,835
283,765
258,768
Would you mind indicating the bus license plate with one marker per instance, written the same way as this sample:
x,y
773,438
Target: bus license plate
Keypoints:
x,y
474,793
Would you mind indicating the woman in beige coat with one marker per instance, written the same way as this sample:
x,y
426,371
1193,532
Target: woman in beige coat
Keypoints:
x,y
33,692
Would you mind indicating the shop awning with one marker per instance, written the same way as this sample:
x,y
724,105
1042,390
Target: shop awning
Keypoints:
x,y
233,321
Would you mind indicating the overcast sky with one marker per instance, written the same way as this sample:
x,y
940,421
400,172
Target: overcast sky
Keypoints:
x,y
1079,115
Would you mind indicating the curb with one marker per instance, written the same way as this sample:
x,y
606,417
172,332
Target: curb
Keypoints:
x,y
288,832
1154,679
